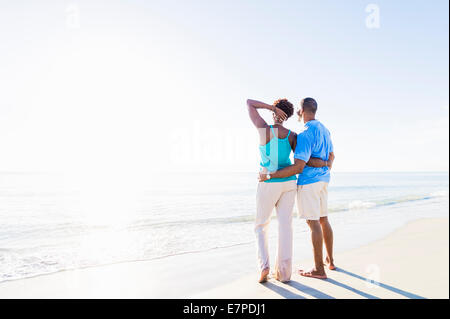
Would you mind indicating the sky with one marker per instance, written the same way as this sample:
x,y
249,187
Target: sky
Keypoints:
x,y
161,86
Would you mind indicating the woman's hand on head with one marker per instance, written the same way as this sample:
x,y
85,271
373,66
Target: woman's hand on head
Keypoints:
x,y
280,114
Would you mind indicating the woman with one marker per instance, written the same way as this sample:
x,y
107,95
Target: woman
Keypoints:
x,y
276,143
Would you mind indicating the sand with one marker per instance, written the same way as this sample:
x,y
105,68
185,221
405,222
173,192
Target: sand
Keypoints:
x,y
412,262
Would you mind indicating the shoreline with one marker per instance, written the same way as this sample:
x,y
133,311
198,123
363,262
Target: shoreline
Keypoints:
x,y
204,275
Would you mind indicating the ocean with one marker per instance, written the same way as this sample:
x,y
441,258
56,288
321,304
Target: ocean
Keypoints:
x,y
49,223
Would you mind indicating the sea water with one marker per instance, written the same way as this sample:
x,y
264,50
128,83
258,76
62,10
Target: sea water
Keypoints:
x,y
49,223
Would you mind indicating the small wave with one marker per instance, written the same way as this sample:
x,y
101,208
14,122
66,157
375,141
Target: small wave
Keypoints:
x,y
224,220
359,204
350,206
441,193
41,267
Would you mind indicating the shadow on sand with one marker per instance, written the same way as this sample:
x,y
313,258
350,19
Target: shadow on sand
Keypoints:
x,y
309,290
300,287
282,291
393,289
321,295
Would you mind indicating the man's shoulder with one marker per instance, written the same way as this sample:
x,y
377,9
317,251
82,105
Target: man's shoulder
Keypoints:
x,y
320,126
312,127
306,133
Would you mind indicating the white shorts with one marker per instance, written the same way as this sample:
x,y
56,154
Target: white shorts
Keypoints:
x,y
312,200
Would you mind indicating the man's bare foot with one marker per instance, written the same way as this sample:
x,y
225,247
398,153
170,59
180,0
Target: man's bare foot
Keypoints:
x,y
264,274
330,264
313,273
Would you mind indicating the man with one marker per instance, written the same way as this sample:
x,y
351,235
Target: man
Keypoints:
x,y
312,184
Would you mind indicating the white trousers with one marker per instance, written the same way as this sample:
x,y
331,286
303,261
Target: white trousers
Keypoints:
x,y
280,196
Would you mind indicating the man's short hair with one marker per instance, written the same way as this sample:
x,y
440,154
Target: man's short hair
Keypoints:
x,y
309,105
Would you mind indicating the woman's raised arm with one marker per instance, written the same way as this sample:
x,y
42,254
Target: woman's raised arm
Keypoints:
x,y
258,121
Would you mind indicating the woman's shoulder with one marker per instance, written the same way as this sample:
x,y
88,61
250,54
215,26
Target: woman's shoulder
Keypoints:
x,y
293,137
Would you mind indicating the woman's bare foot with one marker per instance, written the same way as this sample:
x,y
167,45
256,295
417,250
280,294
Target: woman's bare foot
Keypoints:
x,y
313,273
330,264
276,277
264,274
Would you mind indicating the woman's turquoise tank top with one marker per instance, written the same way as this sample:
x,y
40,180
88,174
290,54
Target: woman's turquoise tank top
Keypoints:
x,y
275,156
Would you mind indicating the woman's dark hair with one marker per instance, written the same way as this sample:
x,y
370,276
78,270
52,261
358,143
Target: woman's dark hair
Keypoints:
x,y
285,105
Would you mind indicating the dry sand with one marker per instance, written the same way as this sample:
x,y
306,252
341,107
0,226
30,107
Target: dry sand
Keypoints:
x,y
412,262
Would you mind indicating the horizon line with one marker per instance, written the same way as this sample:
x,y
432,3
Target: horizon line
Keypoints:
x,y
207,171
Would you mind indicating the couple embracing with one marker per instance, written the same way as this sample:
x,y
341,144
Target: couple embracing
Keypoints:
x,y
279,187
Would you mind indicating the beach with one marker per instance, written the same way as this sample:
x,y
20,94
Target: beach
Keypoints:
x,y
135,135
51,223
411,262
166,240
